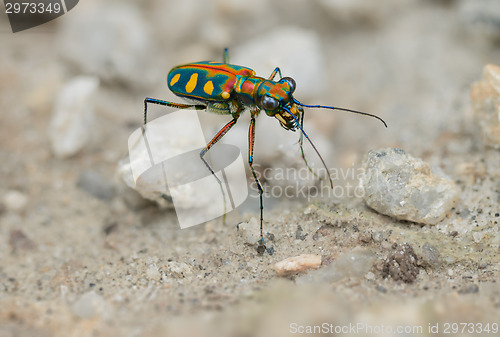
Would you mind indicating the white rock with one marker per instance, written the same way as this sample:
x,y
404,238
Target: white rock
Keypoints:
x,y
89,305
355,263
14,200
153,273
150,189
73,117
401,186
250,231
477,236
179,270
485,99
108,41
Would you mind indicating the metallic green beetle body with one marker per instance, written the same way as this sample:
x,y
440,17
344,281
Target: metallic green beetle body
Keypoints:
x,y
229,89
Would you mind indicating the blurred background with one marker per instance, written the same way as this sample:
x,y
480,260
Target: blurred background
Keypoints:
x,y
410,62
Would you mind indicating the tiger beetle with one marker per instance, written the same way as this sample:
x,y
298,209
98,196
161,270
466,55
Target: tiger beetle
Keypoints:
x,y
229,89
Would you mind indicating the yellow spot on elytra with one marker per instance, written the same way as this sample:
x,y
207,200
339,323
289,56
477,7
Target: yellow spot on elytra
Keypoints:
x,y
225,95
208,87
191,84
175,79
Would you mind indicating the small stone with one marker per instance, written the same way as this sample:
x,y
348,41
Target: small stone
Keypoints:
x,y
14,200
19,241
485,99
365,237
94,184
401,264
153,273
370,276
297,264
430,256
477,236
299,235
401,186
140,197
110,42
355,263
89,305
73,117
250,231
179,269
491,74
469,289
481,17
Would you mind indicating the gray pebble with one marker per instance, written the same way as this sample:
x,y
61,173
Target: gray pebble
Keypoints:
x,y
481,17
401,186
73,117
108,41
430,256
96,185
355,263
89,305
470,289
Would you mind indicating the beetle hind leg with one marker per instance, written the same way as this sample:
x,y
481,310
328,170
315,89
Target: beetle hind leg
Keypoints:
x,y
169,104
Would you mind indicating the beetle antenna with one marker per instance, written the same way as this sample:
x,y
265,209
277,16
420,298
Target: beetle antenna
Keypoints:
x,y
343,109
310,142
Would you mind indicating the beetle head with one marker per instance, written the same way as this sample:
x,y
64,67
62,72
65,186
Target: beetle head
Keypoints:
x,y
273,96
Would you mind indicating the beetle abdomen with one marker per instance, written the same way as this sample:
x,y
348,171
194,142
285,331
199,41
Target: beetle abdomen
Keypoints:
x,y
205,81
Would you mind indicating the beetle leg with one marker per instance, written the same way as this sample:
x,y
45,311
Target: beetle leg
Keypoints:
x,y
214,140
251,141
273,74
226,55
217,137
169,104
301,142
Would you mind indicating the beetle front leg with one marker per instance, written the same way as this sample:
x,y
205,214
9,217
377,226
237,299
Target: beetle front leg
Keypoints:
x,y
251,141
301,143
273,74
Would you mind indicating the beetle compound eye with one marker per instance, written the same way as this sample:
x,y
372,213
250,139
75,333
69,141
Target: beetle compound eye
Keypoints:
x,y
291,83
269,103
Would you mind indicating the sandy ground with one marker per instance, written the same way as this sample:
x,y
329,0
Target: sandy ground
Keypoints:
x,y
80,255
